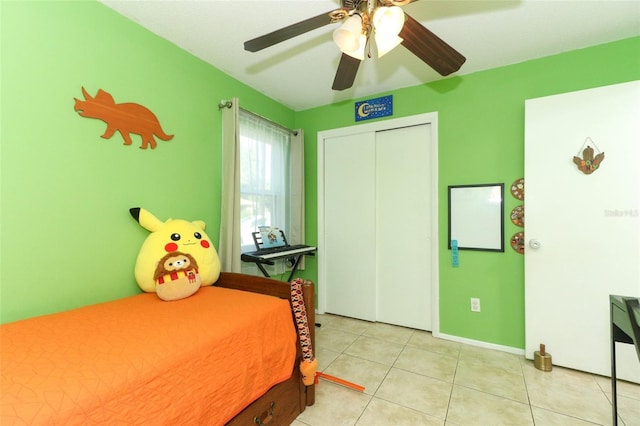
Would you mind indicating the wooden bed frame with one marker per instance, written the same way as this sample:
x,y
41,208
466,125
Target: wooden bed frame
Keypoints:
x,y
286,400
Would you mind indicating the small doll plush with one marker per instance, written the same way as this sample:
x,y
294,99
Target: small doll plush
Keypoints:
x,y
176,259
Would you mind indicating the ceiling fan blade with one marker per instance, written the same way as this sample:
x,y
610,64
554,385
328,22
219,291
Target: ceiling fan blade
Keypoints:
x,y
288,32
430,48
346,74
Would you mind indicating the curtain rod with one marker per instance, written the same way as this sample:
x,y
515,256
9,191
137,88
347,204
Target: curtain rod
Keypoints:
x,y
229,104
225,104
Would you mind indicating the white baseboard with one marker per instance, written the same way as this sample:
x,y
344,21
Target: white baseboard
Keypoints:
x,y
471,342
480,343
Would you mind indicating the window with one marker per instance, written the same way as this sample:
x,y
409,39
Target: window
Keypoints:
x,y
264,176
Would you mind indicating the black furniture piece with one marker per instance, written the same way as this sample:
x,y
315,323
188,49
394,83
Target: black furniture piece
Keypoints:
x,y
625,328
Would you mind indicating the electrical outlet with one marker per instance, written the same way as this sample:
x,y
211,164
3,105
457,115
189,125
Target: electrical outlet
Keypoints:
x,y
475,304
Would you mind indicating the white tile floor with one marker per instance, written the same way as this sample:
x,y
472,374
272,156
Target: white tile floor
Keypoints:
x,y
412,378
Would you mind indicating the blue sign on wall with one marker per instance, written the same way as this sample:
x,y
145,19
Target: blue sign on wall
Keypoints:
x,y
374,108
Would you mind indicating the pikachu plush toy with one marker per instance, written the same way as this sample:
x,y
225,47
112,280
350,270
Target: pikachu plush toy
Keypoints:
x,y
176,259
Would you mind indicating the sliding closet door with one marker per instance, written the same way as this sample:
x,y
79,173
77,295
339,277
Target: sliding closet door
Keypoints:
x,y
378,221
349,232
403,231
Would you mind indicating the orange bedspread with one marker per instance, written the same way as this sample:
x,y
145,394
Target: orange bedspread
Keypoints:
x,y
140,360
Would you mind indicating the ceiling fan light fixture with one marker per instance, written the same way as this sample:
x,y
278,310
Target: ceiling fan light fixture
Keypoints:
x,y
387,24
350,37
385,43
388,20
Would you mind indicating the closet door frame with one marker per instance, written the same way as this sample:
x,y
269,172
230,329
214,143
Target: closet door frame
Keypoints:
x,y
427,118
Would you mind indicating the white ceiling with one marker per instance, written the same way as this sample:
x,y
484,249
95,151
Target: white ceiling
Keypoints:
x,y
299,72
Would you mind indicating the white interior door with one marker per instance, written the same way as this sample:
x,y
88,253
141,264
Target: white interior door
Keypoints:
x,y
403,215
588,226
349,237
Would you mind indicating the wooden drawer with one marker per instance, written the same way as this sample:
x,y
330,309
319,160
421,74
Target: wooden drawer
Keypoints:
x,y
278,407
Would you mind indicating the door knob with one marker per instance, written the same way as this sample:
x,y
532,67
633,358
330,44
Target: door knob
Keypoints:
x,y
534,244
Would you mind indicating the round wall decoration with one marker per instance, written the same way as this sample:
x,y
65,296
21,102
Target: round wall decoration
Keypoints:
x,y
517,189
517,216
517,242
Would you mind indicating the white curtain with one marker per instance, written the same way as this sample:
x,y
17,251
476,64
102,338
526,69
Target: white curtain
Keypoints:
x,y
296,230
229,245
264,175
270,188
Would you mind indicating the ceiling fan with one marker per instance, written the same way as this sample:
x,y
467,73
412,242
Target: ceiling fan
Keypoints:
x,y
361,19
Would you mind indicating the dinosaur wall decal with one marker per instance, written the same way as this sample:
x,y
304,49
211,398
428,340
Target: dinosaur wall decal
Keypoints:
x,y
125,118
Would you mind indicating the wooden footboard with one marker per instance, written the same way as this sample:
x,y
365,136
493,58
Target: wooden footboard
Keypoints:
x,y
286,400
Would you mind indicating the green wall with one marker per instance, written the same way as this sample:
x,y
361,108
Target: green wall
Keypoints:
x,y
481,140
66,236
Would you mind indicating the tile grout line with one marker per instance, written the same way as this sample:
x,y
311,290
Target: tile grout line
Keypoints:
x,y
453,383
373,395
526,389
